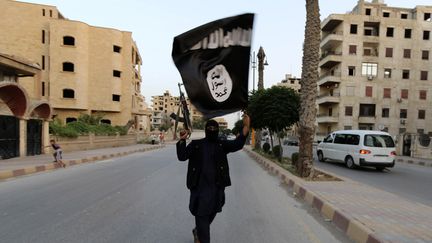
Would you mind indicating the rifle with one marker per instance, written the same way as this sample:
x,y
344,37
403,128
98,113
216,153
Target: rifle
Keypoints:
x,y
185,112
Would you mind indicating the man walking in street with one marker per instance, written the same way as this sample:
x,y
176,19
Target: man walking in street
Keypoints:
x,y
208,173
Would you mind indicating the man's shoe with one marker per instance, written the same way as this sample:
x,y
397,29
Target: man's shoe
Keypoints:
x,y
195,235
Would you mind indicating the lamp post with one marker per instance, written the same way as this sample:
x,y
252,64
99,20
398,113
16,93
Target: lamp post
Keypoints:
x,y
254,66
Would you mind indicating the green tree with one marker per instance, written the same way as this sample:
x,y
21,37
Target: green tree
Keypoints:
x,y
166,123
276,108
310,75
238,126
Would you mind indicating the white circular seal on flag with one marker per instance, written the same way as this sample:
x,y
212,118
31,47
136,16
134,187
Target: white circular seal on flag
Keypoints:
x,y
219,83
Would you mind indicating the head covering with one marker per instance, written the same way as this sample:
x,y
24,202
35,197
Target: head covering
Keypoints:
x,y
212,130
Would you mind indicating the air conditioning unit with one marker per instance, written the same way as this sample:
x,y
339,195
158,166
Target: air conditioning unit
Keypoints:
x,y
402,121
370,77
399,100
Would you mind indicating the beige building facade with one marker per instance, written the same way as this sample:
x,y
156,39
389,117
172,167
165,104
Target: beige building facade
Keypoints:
x,y
291,82
24,113
164,105
84,69
376,70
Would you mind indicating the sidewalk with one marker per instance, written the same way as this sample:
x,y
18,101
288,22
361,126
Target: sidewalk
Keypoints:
x,y
19,166
364,213
415,161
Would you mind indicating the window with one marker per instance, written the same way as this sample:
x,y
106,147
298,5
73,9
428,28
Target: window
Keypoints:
x,y
43,36
353,29
426,35
43,88
379,141
421,114
339,138
116,73
368,11
403,113
351,71
390,32
348,111
105,121
116,49
43,62
116,97
68,41
422,94
408,33
368,31
404,16
369,69
402,130
51,13
385,112
425,55
68,67
423,75
43,12
387,93
389,52
71,119
386,14
367,52
68,93
404,94
407,53
427,17
367,110
368,91
328,139
353,50
405,74
387,72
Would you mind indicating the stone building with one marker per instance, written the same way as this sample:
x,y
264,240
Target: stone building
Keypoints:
x,y
290,81
84,69
24,113
164,105
376,70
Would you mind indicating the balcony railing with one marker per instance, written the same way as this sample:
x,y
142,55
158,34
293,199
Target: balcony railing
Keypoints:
x,y
330,53
330,74
333,94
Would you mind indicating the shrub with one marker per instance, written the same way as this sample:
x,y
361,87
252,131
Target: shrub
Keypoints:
x,y
294,158
277,151
266,147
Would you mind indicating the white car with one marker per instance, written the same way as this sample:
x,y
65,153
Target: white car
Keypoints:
x,y
358,148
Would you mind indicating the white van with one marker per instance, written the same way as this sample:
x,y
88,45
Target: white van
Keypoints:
x,y
359,148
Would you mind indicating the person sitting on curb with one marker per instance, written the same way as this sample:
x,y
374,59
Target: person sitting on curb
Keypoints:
x,y
57,153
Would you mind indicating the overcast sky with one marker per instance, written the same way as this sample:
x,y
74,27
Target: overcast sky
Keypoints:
x,y
279,29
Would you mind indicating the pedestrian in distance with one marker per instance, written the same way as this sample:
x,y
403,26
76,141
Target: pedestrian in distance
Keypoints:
x,y
57,153
161,138
208,173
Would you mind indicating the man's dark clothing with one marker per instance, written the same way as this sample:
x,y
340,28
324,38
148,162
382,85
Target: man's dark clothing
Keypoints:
x,y
207,177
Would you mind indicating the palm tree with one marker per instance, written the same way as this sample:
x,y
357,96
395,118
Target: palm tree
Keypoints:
x,y
309,88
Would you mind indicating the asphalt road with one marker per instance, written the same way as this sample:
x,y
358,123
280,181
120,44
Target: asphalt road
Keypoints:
x,y
413,182
142,198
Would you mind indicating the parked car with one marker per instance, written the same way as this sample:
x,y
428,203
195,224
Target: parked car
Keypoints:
x,y
358,148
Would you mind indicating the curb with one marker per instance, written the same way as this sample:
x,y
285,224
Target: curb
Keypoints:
x,y
7,174
353,228
412,161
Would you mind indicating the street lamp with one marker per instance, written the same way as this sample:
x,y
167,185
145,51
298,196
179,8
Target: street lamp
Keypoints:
x,y
254,66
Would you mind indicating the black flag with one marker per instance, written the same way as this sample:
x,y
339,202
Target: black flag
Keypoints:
x,y
213,61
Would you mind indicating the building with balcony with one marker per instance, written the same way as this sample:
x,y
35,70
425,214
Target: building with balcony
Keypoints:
x,y
84,69
291,82
376,70
166,104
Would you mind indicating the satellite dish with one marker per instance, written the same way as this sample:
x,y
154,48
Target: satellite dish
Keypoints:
x,y
381,127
